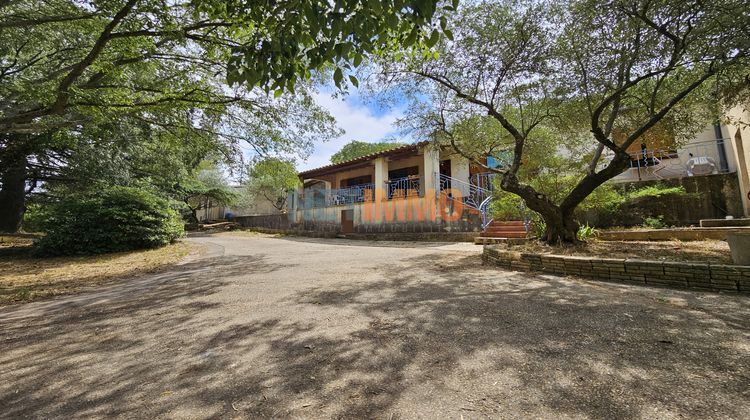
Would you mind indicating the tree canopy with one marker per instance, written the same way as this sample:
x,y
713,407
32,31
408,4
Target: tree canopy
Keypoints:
x,y
122,91
271,179
61,58
595,76
355,149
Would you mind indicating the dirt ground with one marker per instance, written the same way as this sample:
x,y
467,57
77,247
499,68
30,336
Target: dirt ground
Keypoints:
x,y
306,328
24,278
703,251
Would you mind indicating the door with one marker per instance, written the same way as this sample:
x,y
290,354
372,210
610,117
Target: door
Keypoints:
x,y
347,221
445,174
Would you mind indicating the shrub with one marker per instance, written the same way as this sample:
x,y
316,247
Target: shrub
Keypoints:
x,y
657,190
654,222
33,218
586,232
111,220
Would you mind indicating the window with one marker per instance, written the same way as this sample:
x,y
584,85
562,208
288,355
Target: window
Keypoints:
x,y
403,172
351,182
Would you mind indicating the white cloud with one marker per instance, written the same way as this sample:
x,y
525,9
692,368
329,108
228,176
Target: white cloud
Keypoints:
x,y
358,123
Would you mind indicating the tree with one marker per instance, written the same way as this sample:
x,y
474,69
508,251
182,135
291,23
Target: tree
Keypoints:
x,y
187,68
355,149
619,70
61,57
271,179
208,187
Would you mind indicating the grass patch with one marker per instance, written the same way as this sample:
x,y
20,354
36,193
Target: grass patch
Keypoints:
x,y
16,240
699,251
24,278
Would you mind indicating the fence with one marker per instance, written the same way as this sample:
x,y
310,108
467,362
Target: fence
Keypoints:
x,y
268,221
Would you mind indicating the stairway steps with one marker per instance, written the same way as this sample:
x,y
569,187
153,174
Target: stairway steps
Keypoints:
x,y
507,223
505,229
504,235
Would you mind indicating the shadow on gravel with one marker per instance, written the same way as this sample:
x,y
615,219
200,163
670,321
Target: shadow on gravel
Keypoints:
x,y
441,334
90,356
532,345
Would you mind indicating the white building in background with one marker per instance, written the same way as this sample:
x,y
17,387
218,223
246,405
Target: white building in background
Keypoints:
x,y
719,149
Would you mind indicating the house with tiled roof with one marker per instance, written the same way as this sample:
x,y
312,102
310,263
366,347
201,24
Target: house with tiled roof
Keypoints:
x,y
417,188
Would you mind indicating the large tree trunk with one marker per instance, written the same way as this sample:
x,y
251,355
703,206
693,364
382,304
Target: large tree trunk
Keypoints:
x,y
12,192
561,228
560,225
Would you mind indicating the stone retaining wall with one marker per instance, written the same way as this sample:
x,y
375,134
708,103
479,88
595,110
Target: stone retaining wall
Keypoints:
x,y
682,234
693,275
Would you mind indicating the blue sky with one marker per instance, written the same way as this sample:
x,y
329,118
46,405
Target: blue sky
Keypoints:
x,y
360,118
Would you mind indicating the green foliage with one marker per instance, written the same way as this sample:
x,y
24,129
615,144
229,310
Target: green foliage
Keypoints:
x,y
271,179
538,225
654,222
207,187
586,232
33,218
355,149
506,206
605,198
186,52
657,190
111,220
566,81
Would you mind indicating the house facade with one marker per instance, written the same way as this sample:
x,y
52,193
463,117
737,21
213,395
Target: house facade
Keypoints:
x,y
414,188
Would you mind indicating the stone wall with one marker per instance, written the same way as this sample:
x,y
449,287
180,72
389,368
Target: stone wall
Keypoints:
x,y
692,275
708,197
681,234
268,221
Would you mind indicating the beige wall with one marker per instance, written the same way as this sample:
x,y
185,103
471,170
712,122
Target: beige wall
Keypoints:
x,y
416,160
738,130
340,176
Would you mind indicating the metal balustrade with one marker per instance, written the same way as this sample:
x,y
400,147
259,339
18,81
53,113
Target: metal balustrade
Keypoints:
x,y
471,195
410,186
314,198
698,158
350,195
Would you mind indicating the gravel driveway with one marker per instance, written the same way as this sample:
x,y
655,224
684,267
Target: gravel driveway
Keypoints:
x,y
303,328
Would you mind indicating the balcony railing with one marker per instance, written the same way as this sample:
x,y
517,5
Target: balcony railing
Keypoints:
x,y
409,186
698,158
350,195
315,198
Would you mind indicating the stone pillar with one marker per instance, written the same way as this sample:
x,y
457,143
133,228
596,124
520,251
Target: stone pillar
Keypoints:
x,y
381,175
431,171
460,171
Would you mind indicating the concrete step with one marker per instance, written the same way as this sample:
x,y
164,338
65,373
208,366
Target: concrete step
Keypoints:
x,y
484,240
507,223
522,234
505,229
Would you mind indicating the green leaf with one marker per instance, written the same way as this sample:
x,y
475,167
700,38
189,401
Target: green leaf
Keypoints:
x,y
338,76
434,38
354,81
448,34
